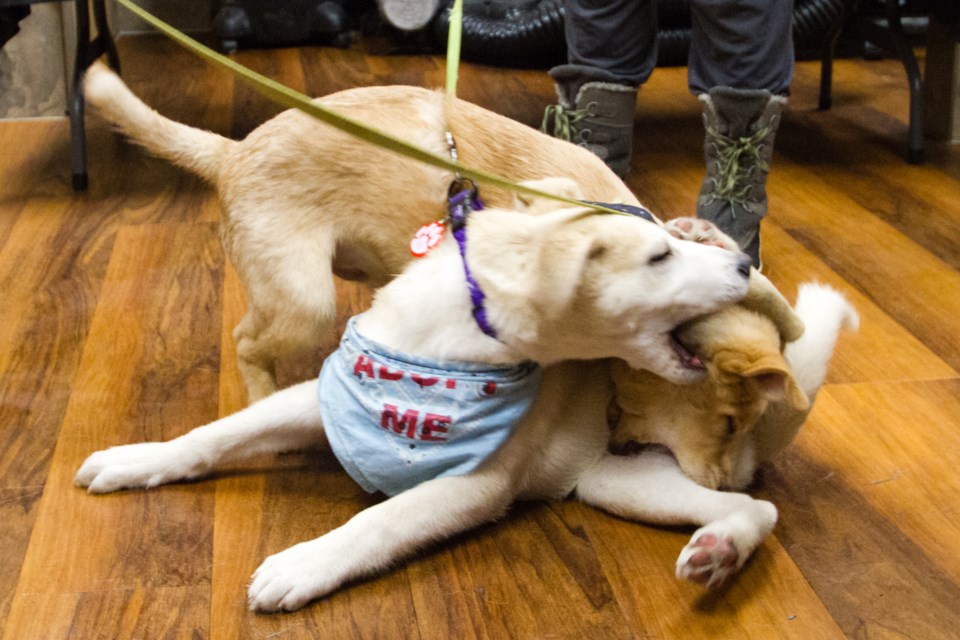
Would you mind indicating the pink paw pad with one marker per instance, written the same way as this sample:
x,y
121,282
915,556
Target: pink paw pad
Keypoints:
x,y
680,228
708,560
697,230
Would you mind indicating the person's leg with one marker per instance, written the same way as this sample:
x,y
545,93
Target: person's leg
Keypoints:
x,y
611,51
741,65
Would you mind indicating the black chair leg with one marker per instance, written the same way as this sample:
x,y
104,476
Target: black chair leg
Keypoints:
x,y
826,76
104,39
77,134
87,52
827,55
914,79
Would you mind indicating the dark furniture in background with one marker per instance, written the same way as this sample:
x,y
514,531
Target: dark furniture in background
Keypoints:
x,y
882,24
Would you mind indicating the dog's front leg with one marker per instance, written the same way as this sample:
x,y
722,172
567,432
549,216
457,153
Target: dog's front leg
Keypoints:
x,y
285,421
378,537
651,487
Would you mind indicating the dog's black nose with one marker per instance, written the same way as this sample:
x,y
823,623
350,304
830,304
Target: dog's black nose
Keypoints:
x,y
743,265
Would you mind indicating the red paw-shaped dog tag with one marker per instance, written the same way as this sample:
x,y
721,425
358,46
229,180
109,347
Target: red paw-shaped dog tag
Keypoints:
x,y
427,237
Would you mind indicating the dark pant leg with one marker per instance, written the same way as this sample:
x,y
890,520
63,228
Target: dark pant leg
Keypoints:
x,y
744,44
617,39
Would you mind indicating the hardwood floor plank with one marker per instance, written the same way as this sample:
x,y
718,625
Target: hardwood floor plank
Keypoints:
x,y
905,468
36,162
410,69
770,599
530,575
134,613
51,269
918,200
896,273
203,95
445,597
872,578
527,92
146,374
540,556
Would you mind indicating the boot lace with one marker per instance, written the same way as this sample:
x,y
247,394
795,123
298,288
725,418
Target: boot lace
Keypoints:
x,y
565,122
735,159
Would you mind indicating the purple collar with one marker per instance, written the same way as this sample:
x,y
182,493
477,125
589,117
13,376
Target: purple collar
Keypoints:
x,y
463,200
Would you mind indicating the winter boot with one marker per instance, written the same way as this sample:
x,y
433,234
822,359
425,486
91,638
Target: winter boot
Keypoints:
x,y
740,127
594,114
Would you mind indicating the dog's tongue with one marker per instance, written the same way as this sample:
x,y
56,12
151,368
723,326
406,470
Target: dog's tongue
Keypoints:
x,y
687,358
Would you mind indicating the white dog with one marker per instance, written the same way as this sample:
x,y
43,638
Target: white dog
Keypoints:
x,y
563,285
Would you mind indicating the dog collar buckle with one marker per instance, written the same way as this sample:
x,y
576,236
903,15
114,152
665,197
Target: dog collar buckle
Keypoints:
x,y
463,193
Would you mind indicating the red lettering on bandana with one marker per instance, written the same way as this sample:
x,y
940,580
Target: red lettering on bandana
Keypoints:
x,y
435,428
363,365
424,382
391,420
387,374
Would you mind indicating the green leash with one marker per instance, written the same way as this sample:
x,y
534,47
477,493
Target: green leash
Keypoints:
x,y
287,97
454,32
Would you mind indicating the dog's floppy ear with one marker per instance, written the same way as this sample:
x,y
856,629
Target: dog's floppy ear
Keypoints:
x,y
562,260
769,371
564,187
776,382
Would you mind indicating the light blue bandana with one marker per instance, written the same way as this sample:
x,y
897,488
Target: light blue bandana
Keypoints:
x,y
395,420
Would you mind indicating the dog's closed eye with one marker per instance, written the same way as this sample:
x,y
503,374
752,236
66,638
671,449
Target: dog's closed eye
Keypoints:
x,y
660,257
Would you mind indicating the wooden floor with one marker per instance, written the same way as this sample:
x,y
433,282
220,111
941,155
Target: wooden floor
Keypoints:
x,y
116,308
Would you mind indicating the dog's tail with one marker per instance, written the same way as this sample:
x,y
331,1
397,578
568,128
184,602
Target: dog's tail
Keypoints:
x,y
824,312
201,152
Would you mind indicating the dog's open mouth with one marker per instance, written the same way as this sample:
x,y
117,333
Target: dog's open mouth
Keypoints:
x,y
688,359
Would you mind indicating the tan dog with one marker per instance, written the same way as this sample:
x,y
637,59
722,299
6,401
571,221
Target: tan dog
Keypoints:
x,y
302,201
708,425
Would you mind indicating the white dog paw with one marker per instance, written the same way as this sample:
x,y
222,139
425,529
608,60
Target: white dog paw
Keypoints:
x,y
717,551
133,466
288,580
700,231
709,559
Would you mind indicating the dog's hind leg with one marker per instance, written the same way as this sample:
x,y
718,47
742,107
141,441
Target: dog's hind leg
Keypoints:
x,y
651,487
292,307
256,357
286,421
